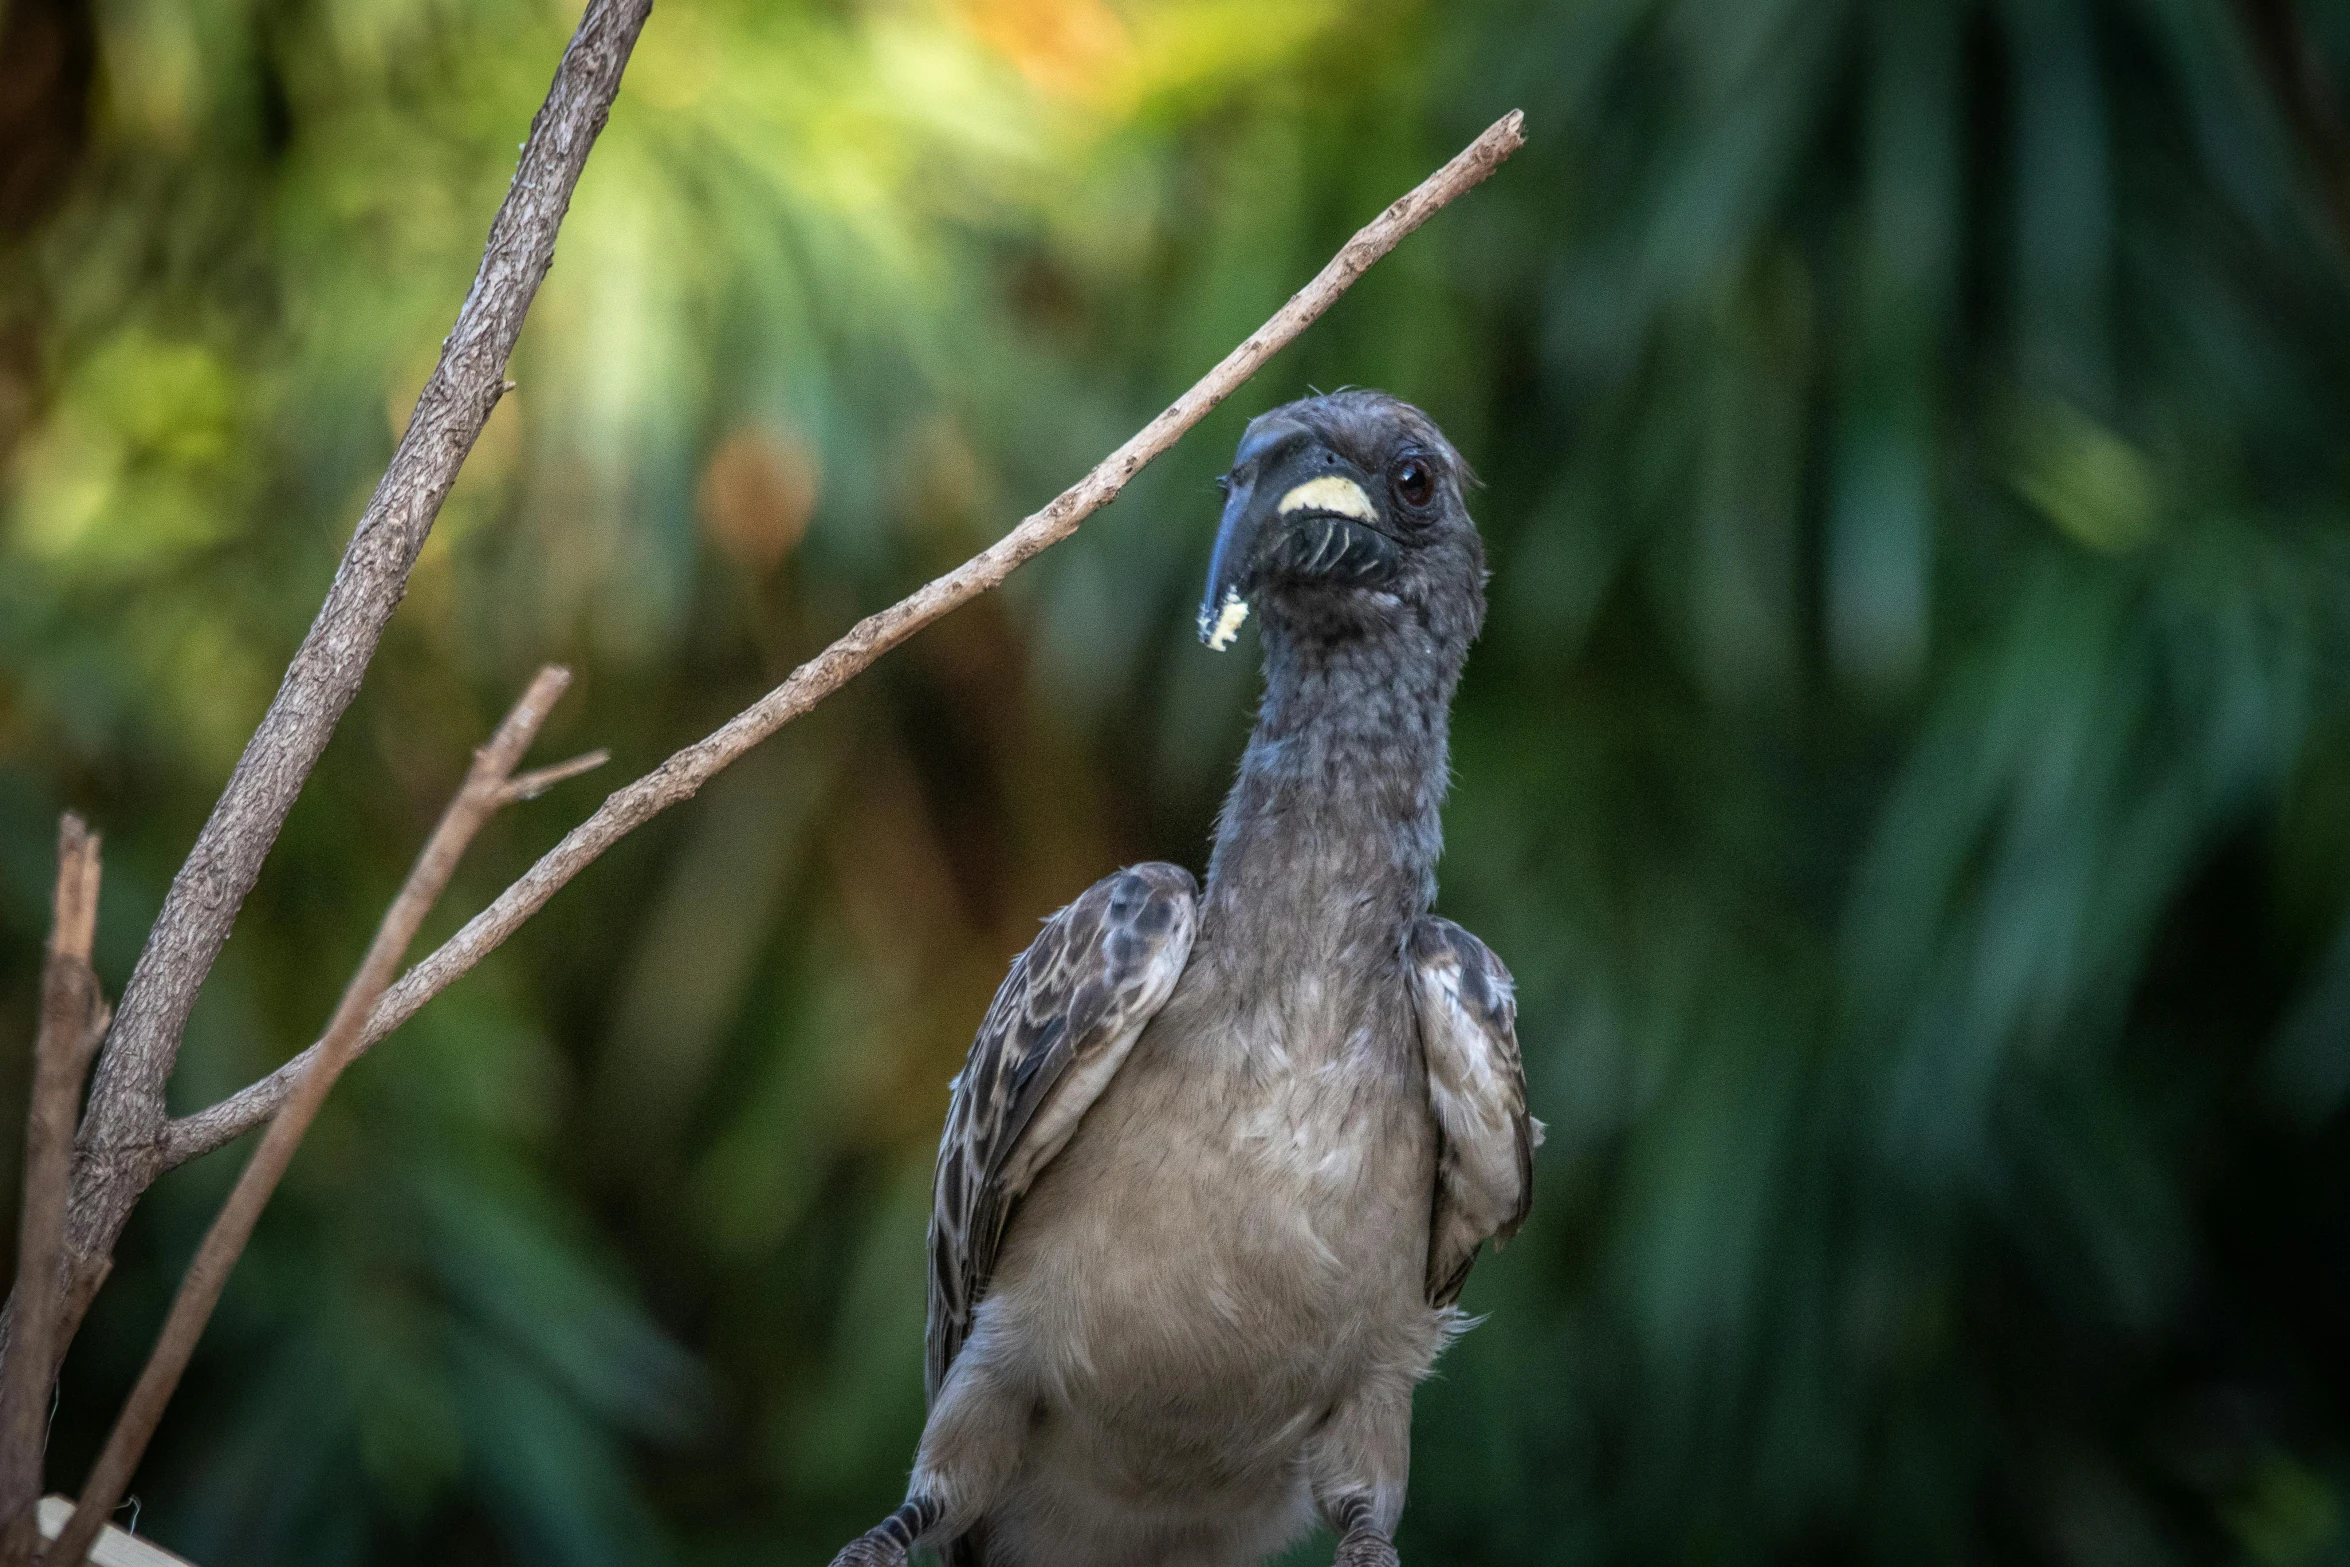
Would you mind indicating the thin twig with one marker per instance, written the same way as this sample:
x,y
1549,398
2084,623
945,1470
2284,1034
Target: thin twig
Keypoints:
x,y
120,1136
72,1016
684,773
484,790
532,784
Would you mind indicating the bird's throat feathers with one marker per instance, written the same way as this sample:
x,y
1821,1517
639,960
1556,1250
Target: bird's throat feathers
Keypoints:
x,y
1340,793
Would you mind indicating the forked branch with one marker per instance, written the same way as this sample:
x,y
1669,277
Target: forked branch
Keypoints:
x,y
684,773
119,1137
489,784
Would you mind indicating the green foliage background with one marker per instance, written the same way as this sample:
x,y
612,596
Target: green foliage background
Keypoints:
x,y
1908,766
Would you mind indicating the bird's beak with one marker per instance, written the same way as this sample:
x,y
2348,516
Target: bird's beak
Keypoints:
x,y
1296,510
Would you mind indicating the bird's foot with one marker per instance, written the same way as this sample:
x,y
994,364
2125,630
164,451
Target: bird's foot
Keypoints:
x,y
1365,1547
874,1548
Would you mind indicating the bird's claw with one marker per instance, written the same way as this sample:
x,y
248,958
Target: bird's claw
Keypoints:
x,y
1361,1547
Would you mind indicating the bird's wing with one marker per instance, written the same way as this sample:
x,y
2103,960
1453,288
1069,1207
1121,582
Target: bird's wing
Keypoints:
x,y
1477,1088
1069,1011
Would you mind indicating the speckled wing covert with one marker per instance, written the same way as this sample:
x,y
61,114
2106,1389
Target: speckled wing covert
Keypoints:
x,y
1065,1018
1477,1088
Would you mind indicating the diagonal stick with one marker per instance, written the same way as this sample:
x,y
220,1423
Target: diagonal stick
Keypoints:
x,y
684,773
485,788
73,1017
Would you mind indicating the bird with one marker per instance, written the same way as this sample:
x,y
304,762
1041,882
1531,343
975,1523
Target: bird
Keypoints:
x,y
1221,1156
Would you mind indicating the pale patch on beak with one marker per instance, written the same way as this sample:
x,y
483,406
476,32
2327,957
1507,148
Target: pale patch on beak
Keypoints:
x,y
1332,493
1228,623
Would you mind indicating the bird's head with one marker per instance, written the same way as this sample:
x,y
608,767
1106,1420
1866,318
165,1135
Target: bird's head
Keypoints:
x,y
1343,517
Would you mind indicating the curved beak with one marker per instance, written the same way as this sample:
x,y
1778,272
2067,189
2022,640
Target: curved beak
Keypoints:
x,y
1297,510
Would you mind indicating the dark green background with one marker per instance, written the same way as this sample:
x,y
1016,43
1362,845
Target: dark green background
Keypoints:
x,y
1908,766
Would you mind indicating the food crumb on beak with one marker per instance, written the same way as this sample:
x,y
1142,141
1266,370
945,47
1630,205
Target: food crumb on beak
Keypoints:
x,y
1228,623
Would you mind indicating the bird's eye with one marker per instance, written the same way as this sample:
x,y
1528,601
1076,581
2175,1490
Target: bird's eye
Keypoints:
x,y
1414,480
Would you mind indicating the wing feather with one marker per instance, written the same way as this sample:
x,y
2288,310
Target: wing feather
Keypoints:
x,y
1067,1014
1468,1012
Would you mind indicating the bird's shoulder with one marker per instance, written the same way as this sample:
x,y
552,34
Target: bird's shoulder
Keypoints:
x,y
1468,1013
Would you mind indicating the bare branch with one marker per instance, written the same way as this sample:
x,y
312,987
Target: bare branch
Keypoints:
x,y
72,1018
119,1143
684,773
484,790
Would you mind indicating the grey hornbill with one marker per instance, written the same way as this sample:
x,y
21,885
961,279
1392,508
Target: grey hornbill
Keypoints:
x,y
1219,1161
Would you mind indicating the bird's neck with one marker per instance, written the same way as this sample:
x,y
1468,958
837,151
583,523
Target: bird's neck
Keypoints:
x,y
1336,817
